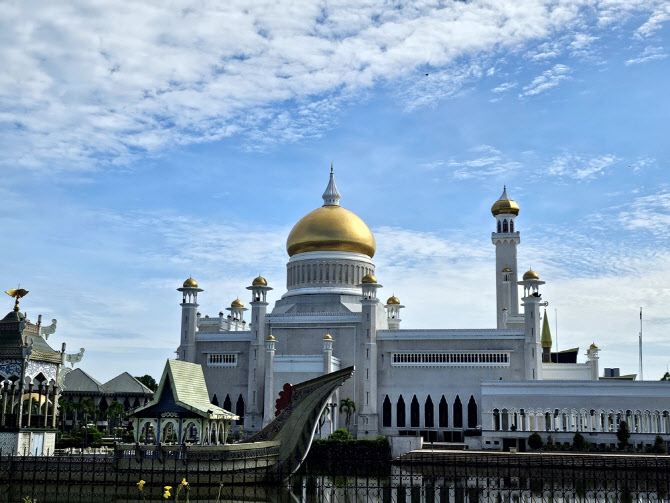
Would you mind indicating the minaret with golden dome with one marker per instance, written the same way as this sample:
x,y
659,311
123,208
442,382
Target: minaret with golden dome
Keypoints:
x,y
506,239
189,318
330,249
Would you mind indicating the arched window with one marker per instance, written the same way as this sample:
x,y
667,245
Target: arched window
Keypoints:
x,y
458,413
400,413
444,413
415,421
496,419
227,405
239,409
386,412
511,225
499,227
215,401
429,413
472,413
505,229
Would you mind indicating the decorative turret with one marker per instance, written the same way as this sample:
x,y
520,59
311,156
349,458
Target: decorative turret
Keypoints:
x,y
331,196
268,390
593,357
366,359
506,240
393,308
237,310
189,319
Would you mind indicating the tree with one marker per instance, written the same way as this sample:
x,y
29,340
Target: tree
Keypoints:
x,y
348,407
148,381
114,411
666,377
535,441
623,435
87,408
659,445
578,442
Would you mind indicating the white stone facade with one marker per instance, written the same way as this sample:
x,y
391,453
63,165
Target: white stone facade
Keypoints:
x,y
440,384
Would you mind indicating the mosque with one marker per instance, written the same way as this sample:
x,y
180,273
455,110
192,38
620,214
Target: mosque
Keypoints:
x,y
486,388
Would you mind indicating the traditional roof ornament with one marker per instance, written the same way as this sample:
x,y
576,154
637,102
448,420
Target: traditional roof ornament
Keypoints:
x,y
331,197
17,293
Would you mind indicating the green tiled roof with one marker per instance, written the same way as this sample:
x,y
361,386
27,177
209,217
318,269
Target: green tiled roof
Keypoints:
x,y
125,383
189,390
78,380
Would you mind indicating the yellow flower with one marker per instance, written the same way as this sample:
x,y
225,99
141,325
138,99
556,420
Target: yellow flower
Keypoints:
x,y
183,483
166,495
140,484
167,488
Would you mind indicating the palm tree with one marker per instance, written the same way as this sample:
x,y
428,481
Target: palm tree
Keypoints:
x,y
348,406
87,407
64,407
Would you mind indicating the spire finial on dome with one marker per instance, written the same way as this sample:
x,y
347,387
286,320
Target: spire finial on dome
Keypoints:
x,y
331,197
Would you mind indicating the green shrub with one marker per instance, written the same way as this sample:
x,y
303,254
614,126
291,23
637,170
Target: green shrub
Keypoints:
x,y
340,434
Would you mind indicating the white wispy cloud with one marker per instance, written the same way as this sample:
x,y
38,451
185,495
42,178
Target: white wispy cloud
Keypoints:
x,y
84,85
505,86
650,53
649,213
547,80
580,167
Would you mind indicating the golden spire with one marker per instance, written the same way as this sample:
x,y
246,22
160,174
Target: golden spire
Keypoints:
x,y
17,293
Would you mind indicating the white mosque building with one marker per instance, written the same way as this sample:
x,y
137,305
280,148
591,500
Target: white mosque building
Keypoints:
x,y
486,387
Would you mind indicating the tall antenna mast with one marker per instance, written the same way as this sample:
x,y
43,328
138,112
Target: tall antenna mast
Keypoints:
x,y
641,369
556,331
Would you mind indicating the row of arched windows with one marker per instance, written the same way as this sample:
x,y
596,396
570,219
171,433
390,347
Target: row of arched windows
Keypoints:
x,y
428,413
504,226
228,405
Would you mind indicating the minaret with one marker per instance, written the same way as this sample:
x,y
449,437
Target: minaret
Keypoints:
x,y
532,301
328,423
366,393
256,382
545,340
393,308
189,307
506,239
268,390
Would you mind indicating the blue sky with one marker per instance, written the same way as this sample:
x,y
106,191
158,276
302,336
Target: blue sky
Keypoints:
x,y
141,144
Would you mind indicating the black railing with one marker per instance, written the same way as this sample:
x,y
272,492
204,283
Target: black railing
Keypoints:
x,y
449,476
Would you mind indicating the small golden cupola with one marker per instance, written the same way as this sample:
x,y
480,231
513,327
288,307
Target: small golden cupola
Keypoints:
x,y
190,283
530,274
331,228
259,281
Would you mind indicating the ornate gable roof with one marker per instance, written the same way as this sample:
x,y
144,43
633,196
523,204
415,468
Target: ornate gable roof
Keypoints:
x,y
186,384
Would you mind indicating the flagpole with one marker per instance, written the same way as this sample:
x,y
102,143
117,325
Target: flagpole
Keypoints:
x,y
641,369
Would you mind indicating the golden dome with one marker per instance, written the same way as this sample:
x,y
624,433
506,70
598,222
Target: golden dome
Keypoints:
x,y
270,338
530,274
331,228
505,205
259,281
369,278
393,301
190,283
237,303
327,338
507,269
593,346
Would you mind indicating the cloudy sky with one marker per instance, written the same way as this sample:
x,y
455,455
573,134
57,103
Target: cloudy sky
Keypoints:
x,y
141,143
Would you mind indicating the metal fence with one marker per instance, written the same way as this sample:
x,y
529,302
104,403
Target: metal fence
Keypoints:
x,y
447,476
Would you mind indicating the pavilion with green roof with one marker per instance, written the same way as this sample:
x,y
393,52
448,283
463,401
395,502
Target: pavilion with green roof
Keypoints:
x,y
181,411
